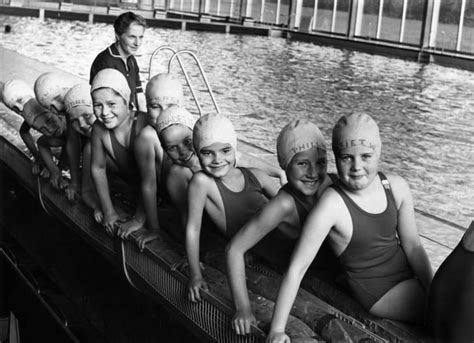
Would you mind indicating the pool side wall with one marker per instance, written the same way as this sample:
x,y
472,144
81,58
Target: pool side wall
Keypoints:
x,y
107,15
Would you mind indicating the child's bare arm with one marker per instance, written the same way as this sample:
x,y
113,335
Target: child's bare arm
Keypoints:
x,y
254,231
73,149
197,197
99,176
249,161
177,187
146,160
29,141
44,146
145,149
270,188
88,193
317,226
408,232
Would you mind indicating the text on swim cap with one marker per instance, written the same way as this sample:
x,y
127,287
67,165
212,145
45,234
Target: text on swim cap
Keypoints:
x,y
170,99
356,142
174,119
79,102
306,146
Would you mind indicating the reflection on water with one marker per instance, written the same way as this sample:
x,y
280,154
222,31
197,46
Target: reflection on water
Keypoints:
x,y
424,111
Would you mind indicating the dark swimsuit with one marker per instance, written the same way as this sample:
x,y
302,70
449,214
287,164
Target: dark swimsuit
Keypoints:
x,y
451,300
124,157
374,261
241,206
325,258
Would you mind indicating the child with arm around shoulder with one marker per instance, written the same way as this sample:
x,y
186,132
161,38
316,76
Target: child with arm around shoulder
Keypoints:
x,y
113,136
301,153
81,117
175,130
228,194
50,89
15,93
53,129
162,91
369,219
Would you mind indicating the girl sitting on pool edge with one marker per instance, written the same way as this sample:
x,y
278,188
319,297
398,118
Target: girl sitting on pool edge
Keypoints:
x,y
229,195
301,153
370,221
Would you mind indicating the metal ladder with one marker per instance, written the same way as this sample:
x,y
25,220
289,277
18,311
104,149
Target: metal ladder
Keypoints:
x,y
176,56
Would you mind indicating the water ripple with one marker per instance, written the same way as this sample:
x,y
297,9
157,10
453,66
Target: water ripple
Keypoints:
x,y
425,112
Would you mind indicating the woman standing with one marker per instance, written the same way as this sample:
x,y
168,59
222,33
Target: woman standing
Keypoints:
x,y
129,30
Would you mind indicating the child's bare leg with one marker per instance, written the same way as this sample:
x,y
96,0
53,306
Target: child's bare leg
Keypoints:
x,y
404,302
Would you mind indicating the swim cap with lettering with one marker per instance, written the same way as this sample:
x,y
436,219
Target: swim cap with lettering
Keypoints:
x,y
213,128
32,110
356,129
174,115
52,85
16,92
79,95
113,79
164,87
295,137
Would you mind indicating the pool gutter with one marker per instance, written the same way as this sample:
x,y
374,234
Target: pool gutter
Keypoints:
x,y
189,21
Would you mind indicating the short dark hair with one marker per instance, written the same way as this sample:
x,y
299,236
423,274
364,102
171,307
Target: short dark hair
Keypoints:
x,y
123,22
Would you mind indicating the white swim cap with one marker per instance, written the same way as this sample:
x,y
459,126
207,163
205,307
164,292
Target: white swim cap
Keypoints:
x,y
213,128
295,137
164,87
113,79
79,95
356,129
32,110
174,115
16,92
52,86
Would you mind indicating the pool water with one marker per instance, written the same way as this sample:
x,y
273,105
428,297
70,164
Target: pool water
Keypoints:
x,y
425,112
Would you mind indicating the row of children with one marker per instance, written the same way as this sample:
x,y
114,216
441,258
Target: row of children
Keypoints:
x,y
368,217
361,216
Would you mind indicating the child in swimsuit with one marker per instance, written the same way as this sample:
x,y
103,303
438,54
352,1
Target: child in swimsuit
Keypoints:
x,y
50,89
113,136
80,115
302,154
53,129
162,91
172,130
369,219
19,97
15,94
229,195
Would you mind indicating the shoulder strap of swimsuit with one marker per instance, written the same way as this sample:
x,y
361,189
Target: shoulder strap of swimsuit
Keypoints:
x,y
253,180
133,134
333,177
386,186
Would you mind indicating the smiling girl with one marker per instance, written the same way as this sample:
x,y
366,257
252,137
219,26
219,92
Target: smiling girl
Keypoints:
x,y
229,195
302,154
369,219
113,137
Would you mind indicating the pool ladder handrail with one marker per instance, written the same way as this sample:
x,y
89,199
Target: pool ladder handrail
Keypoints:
x,y
176,55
